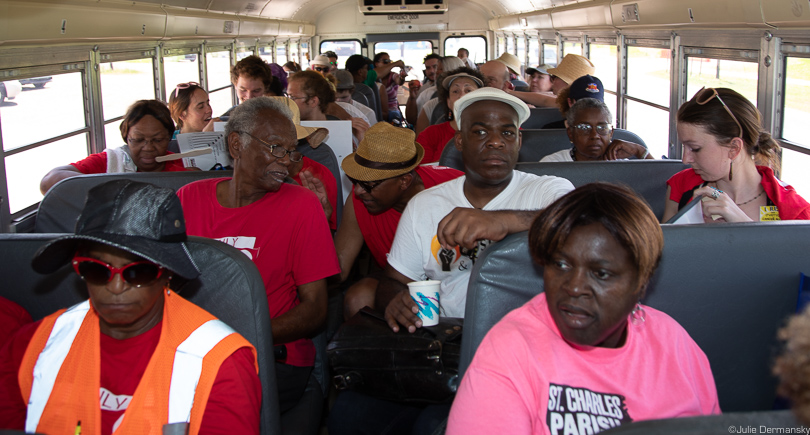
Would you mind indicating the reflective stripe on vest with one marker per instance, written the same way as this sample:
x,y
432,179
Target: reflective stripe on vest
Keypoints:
x,y
59,343
188,360
186,370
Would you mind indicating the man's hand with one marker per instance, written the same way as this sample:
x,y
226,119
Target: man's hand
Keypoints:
x,y
466,226
315,185
359,128
402,311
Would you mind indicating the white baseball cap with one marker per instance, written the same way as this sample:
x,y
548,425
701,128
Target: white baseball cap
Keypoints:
x,y
491,94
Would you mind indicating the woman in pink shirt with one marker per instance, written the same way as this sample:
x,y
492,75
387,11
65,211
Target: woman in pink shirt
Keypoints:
x,y
586,356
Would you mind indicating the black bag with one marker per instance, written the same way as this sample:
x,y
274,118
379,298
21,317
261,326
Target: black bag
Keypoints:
x,y
368,357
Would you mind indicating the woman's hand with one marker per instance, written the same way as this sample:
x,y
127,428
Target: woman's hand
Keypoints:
x,y
717,203
315,185
621,149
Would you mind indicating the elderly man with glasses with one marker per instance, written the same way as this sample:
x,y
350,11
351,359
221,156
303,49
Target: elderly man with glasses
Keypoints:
x,y
280,226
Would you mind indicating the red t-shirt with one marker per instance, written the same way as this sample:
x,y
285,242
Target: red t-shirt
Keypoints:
x,y
284,233
379,231
322,173
97,164
233,406
433,139
790,204
12,318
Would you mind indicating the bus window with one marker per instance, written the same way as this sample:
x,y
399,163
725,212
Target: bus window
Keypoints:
x,y
549,52
648,96
241,54
572,47
305,51
604,59
520,50
219,81
499,45
534,52
123,83
510,44
476,45
717,73
343,49
293,52
795,113
180,69
266,53
281,53
50,107
411,52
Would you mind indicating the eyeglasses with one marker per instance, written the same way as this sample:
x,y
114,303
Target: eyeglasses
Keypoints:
x,y
368,186
704,95
297,98
585,129
140,142
278,151
184,86
97,272
386,61
321,68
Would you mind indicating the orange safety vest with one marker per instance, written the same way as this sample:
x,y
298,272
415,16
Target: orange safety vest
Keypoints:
x,y
60,372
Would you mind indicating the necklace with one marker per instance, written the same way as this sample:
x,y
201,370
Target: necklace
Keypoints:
x,y
746,202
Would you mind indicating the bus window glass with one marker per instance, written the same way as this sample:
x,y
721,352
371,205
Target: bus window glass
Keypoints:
x,y
266,53
520,49
180,69
550,53
476,45
293,52
43,111
123,83
112,134
605,60
797,109
243,54
219,69
794,171
25,170
411,52
611,101
281,53
651,124
648,75
305,52
220,100
572,47
716,73
343,49
534,52
510,44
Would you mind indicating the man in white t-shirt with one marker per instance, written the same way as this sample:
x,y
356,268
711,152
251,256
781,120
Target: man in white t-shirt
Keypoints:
x,y
444,229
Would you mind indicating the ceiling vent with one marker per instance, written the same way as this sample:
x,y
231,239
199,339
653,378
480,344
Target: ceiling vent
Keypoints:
x,y
385,7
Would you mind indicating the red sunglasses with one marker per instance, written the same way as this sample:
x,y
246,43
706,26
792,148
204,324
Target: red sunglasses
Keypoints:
x,y
97,272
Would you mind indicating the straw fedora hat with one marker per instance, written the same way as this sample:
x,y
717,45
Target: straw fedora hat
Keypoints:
x,y
511,61
314,135
385,152
572,67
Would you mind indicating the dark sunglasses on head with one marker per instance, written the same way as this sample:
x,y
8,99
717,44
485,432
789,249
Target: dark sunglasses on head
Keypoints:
x,y
97,272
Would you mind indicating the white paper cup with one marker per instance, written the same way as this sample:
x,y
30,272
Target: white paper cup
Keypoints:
x,y
426,296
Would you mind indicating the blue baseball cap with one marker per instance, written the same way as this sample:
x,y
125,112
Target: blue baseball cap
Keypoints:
x,y
587,86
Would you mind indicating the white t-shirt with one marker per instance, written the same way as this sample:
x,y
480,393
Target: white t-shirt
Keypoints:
x,y
429,107
559,156
425,94
355,112
416,252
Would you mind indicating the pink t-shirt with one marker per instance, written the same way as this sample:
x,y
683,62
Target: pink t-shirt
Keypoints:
x,y
526,379
285,234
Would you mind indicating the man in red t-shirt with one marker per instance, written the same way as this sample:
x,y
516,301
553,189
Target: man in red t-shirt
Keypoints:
x,y
280,226
386,174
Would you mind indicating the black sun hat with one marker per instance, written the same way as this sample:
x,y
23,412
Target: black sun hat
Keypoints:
x,y
139,218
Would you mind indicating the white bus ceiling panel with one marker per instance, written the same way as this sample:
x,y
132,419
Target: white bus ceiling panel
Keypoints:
x,y
677,12
785,13
593,16
23,22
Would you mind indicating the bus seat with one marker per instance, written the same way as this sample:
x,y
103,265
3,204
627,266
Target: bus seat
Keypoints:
x,y
648,178
705,282
325,156
377,103
537,144
243,306
62,204
371,97
451,157
541,116
710,424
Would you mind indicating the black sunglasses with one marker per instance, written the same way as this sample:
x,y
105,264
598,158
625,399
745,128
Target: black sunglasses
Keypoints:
x,y
321,68
368,186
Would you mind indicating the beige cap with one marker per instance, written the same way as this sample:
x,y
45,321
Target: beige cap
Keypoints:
x,y
572,67
511,61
